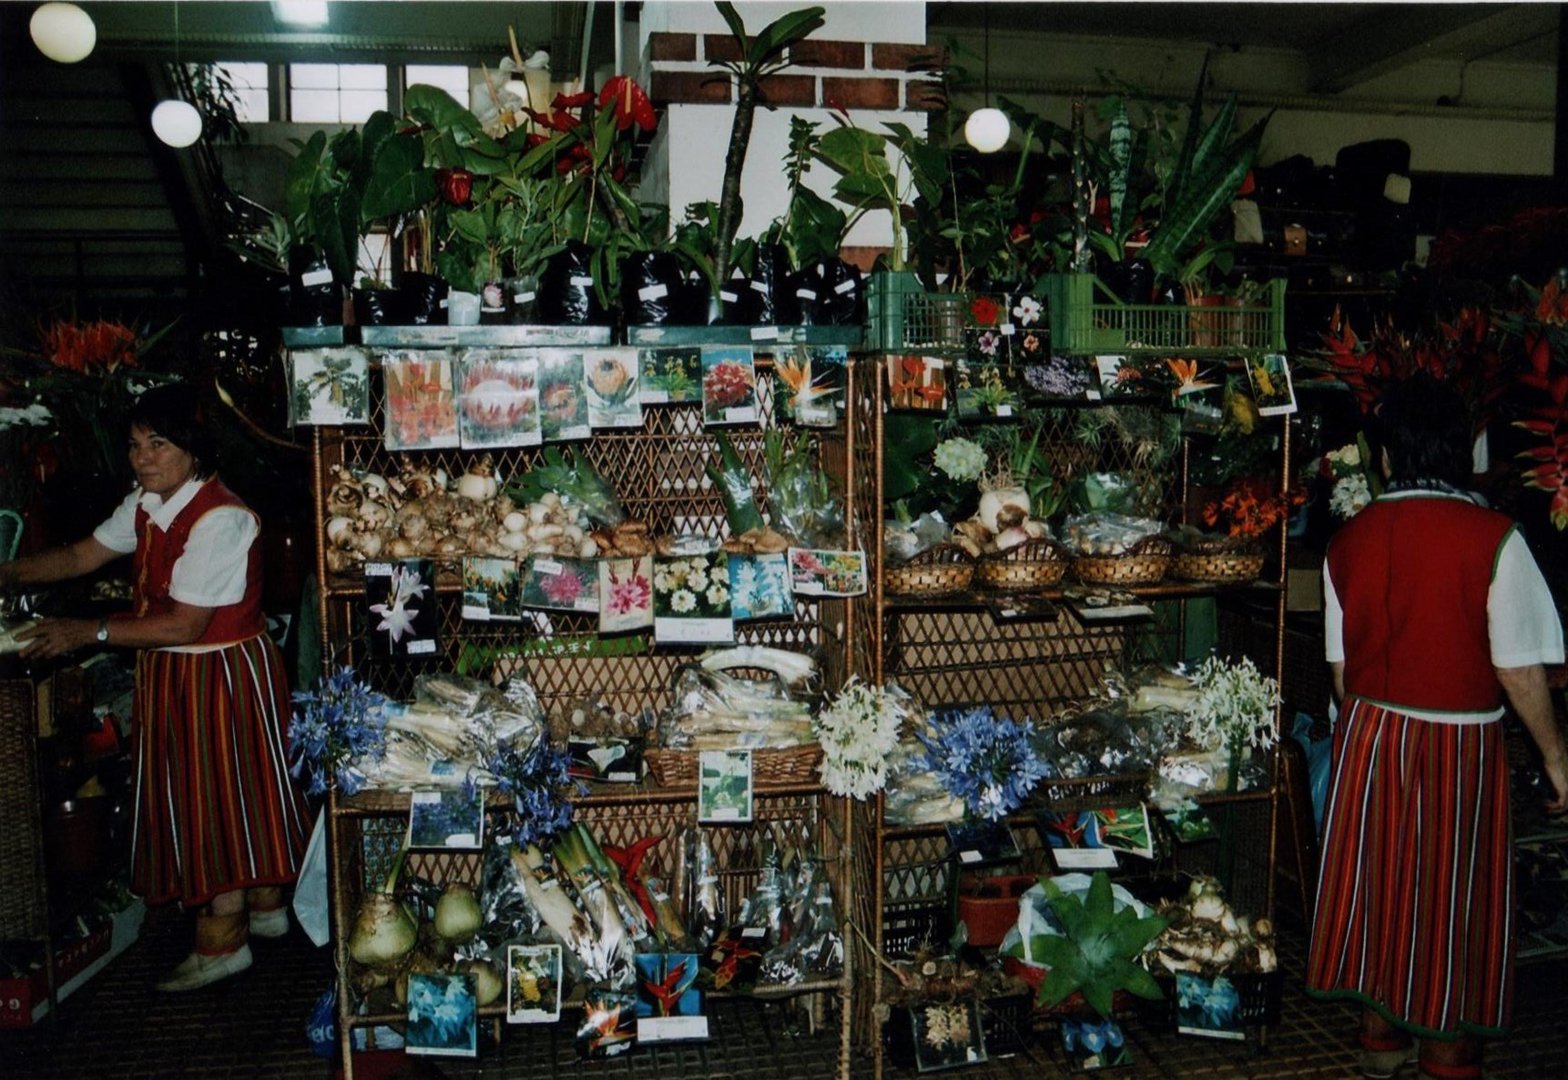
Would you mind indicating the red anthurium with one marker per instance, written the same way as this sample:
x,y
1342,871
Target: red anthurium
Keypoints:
x,y
571,101
456,185
630,102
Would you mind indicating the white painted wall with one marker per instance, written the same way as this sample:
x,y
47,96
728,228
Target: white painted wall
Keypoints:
x,y
894,21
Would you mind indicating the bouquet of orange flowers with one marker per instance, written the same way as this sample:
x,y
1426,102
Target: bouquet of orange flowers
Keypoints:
x,y
1251,508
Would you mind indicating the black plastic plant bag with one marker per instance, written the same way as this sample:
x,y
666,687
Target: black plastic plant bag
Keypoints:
x,y
314,298
841,294
650,288
768,300
566,292
522,299
805,286
422,299
378,307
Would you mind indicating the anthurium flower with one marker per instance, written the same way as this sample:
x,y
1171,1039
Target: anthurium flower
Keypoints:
x,y
456,185
571,101
630,102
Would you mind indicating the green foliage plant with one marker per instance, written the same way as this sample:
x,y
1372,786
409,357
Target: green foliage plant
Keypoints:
x,y
1097,954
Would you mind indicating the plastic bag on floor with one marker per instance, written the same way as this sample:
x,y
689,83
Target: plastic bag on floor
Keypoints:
x,y
1317,752
310,891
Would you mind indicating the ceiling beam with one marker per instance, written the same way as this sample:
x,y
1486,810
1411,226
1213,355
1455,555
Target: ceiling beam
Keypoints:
x,y
1393,37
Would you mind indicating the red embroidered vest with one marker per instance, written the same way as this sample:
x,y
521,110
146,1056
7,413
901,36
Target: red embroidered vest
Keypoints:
x,y
1412,576
157,550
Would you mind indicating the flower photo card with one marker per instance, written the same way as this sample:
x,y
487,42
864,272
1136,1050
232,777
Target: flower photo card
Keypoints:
x,y
498,399
533,984
609,1024
421,400
724,786
669,1005
563,396
1059,378
447,818
1271,386
1117,377
1074,840
443,1015
759,587
492,589
729,386
947,1034
1207,1006
625,594
555,583
811,383
982,392
817,572
400,599
670,376
916,383
988,346
329,387
612,378
691,599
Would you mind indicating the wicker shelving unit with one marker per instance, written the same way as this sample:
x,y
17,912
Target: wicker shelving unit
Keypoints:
x,y
954,650
658,472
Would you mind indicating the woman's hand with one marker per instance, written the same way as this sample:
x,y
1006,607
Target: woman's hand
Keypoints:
x,y
49,638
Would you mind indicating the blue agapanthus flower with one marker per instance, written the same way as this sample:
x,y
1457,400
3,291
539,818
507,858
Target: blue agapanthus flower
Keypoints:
x,y
987,760
336,726
537,776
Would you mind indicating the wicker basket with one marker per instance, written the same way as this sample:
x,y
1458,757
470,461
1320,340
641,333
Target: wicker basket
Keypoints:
x,y
1145,563
1220,567
1034,564
769,768
936,571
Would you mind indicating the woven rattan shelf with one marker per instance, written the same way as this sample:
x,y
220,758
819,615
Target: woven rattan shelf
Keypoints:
x,y
658,472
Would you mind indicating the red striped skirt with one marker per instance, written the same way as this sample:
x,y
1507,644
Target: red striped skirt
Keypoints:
x,y
1415,895
216,809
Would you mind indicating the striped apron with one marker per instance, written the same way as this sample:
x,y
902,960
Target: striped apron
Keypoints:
x,y
215,808
1414,904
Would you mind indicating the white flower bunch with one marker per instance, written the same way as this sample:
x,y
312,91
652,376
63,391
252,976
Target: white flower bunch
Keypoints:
x,y
859,732
1351,495
1346,457
1235,706
34,415
960,459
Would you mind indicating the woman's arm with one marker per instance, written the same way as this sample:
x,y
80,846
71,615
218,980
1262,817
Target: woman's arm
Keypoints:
x,y
59,564
1532,700
184,624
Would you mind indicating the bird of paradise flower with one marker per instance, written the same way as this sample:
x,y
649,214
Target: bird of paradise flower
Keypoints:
x,y
1188,378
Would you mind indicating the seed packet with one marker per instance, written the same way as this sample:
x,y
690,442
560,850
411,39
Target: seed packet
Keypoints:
x,y
329,386
1208,1006
563,396
811,383
947,1035
498,399
421,400
447,818
400,600
625,594
670,376
491,589
443,1015
533,984
759,586
691,599
917,383
609,1025
724,786
669,1006
729,386
555,583
816,572
612,377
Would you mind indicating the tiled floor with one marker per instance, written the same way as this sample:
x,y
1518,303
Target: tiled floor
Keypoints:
x,y
253,1027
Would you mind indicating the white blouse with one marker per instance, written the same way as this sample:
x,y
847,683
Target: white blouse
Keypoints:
x,y
211,572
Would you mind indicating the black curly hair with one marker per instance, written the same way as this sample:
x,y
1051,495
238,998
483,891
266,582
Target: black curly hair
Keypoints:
x,y
173,411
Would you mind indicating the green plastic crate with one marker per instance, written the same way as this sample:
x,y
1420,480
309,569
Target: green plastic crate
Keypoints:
x,y
1087,319
901,316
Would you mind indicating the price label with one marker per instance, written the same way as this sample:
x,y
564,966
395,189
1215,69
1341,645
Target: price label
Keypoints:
x,y
805,294
547,566
316,277
671,1028
969,856
759,286
764,333
754,932
522,297
653,292
845,286
727,296
1007,329
1004,410
581,279
740,414
426,647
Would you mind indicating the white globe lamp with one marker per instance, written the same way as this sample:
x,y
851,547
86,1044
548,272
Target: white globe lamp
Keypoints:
x,y
63,32
987,130
176,123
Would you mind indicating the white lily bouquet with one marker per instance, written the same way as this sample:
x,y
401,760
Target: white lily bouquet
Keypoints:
x,y
1236,708
859,732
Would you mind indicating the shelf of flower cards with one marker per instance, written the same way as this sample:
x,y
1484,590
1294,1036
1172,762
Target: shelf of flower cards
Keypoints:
x,y
368,831
659,471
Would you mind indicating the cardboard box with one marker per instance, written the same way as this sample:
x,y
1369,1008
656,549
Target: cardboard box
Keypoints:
x,y
25,1000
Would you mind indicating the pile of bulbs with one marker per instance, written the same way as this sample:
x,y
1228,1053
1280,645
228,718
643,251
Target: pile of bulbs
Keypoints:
x,y
1002,522
1207,937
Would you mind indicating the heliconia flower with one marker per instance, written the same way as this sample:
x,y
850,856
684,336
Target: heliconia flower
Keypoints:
x,y
630,102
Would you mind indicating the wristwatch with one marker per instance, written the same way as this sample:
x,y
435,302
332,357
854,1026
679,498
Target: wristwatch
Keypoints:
x,y
103,630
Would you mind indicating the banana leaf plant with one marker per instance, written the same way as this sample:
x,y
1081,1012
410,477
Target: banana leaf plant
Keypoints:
x,y
761,56
322,200
867,180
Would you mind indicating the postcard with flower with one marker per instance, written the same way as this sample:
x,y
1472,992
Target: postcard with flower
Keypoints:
x,y
491,589
988,345
670,376
811,383
947,1034
401,601
329,386
816,572
612,377
983,392
1271,386
421,400
498,399
1208,1006
560,584
1059,378
533,984
625,594
443,1015
724,786
669,1005
759,587
447,818
916,383
563,396
1118,378
691,599
729,385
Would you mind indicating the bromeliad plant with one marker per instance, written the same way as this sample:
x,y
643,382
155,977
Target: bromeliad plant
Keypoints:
x,y
1096,954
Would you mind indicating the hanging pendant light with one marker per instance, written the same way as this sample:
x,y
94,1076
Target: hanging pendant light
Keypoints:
x,y
63,32
987,129
176,122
